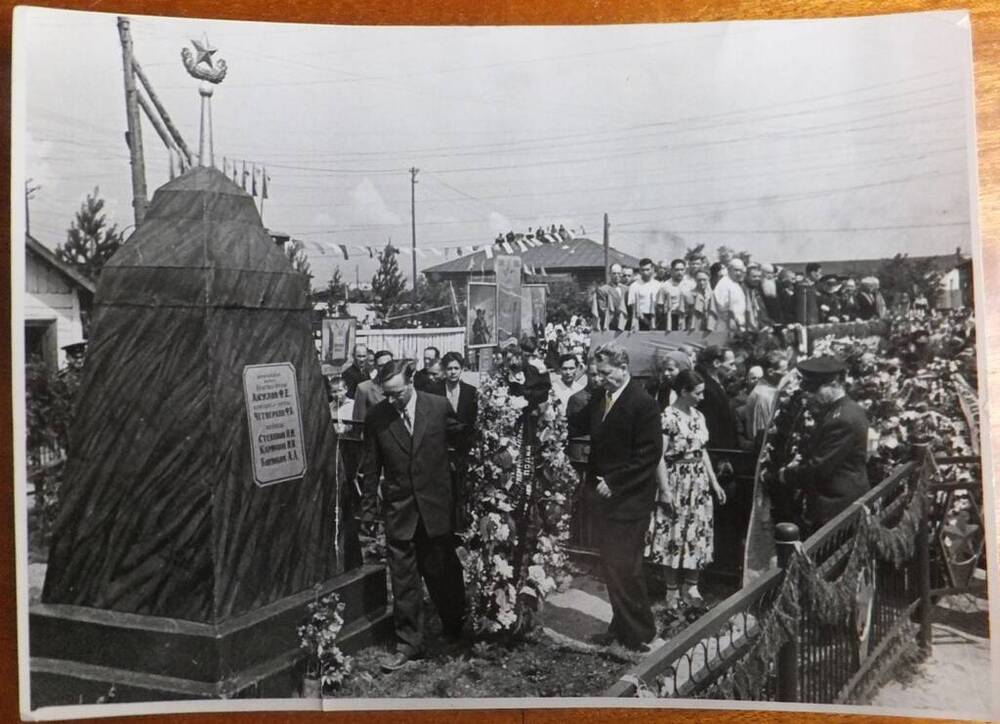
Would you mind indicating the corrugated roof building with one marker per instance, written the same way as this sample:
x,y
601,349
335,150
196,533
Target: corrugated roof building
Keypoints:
x,y
580,258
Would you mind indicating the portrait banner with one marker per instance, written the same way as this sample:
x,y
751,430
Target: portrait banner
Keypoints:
x,y
481,315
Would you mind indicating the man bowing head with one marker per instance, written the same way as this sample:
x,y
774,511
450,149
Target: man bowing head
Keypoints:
x,y
406,442
625,448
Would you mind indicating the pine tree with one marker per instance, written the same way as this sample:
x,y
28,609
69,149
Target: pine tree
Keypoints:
x,y
334,292
388,284
90,242
296,252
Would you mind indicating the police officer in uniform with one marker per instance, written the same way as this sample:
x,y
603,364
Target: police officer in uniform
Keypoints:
x,y
832,472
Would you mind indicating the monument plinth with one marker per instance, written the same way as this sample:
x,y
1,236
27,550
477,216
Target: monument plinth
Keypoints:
x,y
201,501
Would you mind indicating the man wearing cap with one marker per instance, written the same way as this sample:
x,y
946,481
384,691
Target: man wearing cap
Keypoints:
x,y
828,298
832,472
806,303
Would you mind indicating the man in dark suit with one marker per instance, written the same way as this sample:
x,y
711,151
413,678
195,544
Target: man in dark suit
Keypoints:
x,y
625,447
717,365
405,436
833,472
806,302
422,378
463,407
358,371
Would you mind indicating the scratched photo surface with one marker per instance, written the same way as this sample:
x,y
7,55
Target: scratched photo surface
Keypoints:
x,y
766,491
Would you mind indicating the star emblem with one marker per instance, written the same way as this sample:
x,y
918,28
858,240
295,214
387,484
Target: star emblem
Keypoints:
x,y
204,52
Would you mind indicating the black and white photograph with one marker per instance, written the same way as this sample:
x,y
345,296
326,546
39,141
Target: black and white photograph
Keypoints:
x,y
481,314
383,367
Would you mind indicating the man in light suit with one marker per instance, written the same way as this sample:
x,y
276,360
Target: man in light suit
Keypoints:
x,y
405,436
626,444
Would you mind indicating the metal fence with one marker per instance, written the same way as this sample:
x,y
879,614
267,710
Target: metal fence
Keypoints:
x,y
821,661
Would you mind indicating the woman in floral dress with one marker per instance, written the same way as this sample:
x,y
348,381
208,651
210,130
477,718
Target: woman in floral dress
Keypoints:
x,y
682,527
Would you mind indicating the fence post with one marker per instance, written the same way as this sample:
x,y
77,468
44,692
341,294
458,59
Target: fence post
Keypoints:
x,y
921,453
786,535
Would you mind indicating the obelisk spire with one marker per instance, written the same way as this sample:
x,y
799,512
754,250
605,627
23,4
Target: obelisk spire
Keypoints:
x,y
210,71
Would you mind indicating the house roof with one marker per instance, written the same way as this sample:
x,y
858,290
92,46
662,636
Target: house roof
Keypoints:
x,y
573,254
49,257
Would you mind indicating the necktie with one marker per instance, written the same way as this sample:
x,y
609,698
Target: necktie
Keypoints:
x,y
406,420
607,404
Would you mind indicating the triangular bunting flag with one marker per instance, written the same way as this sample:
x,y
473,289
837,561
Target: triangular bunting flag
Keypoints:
x,y
243,181
343,249
253,181
506,247
489,252
371,252
263,182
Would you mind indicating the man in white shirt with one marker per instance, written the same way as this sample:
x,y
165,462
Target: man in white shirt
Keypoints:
x,y
674,297
731,300
568,382
642,298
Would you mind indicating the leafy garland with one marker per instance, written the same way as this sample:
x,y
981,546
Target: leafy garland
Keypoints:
x,y
902,411
806,588
520,482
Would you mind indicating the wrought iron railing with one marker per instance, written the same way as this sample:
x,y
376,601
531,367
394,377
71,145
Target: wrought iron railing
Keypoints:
x,y
718,655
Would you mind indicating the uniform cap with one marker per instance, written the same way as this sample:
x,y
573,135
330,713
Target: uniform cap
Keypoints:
x,y
819,370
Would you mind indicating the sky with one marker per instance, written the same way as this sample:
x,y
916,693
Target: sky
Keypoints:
x,y
794,140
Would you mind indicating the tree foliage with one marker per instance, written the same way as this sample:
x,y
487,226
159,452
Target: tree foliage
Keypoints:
x,y
295,251
914,277
335,293
566,298
388,283
90,242
694,252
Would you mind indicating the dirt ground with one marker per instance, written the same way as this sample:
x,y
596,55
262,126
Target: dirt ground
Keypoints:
x,y
538,667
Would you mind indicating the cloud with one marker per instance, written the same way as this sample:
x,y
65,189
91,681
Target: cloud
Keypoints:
x,y
369,206
499,224
322,219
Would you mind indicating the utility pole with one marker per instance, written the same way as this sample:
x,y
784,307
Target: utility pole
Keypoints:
x,y
29,194
607,266
413,225
134,134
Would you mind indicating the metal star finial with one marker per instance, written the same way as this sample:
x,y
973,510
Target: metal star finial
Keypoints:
x,y
203,52
201,65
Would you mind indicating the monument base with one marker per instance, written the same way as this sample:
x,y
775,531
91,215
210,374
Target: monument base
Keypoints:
x,y
80,655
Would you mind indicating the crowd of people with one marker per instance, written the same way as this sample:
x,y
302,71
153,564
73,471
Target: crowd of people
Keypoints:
x,y
731,295
649,478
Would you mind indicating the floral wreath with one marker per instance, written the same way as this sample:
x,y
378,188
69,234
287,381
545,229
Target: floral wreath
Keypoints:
x,y
520,482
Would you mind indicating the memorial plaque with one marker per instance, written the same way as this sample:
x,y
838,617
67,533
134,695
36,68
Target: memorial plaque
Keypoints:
x,y
272,402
